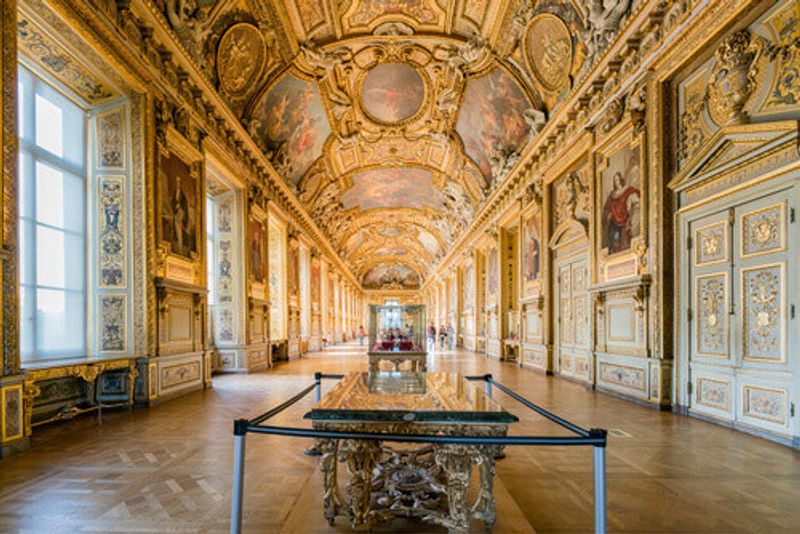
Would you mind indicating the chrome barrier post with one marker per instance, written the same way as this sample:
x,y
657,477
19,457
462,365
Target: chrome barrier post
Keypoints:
x,y
240,433
318,390
488,380
599,481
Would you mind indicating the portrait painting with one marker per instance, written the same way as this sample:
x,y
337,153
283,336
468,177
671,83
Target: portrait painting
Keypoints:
x,y
531,251
621,200
293,270
469,286
256,251
392,92
491,121
493,270
291,126
393,187
395,276
315,281
180,209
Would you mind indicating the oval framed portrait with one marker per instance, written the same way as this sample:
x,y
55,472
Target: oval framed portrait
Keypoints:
x,y
549,51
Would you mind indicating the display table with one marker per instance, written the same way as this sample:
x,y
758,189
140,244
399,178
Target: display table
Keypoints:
x,y
413,354
430,482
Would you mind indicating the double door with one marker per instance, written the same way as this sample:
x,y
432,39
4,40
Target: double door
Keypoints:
x,y
741,313
573,354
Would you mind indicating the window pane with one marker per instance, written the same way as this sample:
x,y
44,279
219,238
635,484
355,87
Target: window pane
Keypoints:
x,y
74,203
49,195
59,319
23,184
49,126
51,260
24,232
21,131
26,317
74,261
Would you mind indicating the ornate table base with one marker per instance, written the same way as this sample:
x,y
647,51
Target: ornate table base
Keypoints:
x,y
418,360
430,483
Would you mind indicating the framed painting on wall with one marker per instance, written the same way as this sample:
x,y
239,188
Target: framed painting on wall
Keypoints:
x,y
531,253
621,207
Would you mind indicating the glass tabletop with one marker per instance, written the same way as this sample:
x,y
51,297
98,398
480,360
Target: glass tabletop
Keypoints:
x,y
408,396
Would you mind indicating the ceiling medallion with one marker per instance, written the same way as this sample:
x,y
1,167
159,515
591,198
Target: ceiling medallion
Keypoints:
x,y
240,55
548,48
392,92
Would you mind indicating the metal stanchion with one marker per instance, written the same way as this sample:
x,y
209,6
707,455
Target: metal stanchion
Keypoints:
x,y
488,379
240,433
599,482
318,389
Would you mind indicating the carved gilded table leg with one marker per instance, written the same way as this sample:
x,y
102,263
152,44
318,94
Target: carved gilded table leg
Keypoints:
x,y
485,506
331,500
361,457
456,460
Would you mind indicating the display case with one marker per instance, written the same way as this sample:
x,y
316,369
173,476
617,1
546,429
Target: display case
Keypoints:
x,y
397,328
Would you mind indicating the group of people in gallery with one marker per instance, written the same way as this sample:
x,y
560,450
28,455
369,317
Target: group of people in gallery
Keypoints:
x,y
446,337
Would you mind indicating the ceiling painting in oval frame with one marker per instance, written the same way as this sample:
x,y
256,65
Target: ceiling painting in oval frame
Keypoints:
x,y
392,92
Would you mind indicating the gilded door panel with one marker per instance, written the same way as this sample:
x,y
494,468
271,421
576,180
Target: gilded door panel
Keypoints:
x,y
710,288
763,296
711,324
572,345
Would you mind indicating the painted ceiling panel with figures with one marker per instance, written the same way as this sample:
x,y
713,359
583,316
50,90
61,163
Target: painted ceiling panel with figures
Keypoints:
x,y
392,120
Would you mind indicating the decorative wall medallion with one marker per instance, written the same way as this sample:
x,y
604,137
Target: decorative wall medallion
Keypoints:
x,y
548,47
764,403
712,244
762,231
623,375
240,55
113,321
712,315
112,222
714,394
111,140
763,294
392,92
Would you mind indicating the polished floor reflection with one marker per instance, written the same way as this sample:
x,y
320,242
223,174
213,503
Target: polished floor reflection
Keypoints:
x,y
169,468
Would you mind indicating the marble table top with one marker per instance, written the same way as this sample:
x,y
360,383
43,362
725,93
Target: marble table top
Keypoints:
x,y
409,396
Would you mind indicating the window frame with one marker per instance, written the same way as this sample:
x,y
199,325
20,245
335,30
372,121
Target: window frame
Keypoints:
x,y
30,155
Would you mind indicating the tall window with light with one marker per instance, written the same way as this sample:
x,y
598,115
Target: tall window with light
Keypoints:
x,y
52,222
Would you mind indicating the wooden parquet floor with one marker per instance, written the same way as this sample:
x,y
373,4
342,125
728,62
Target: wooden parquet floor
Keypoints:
x,y
168,469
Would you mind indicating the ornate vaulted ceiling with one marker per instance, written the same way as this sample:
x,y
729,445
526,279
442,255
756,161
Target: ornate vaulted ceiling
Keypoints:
x,y
391,119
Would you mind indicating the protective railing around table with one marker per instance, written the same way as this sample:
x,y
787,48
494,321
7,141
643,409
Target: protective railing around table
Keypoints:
x,y
595,437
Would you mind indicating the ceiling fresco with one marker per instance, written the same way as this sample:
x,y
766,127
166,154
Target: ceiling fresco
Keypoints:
x,y
392,92
392,120
392,188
